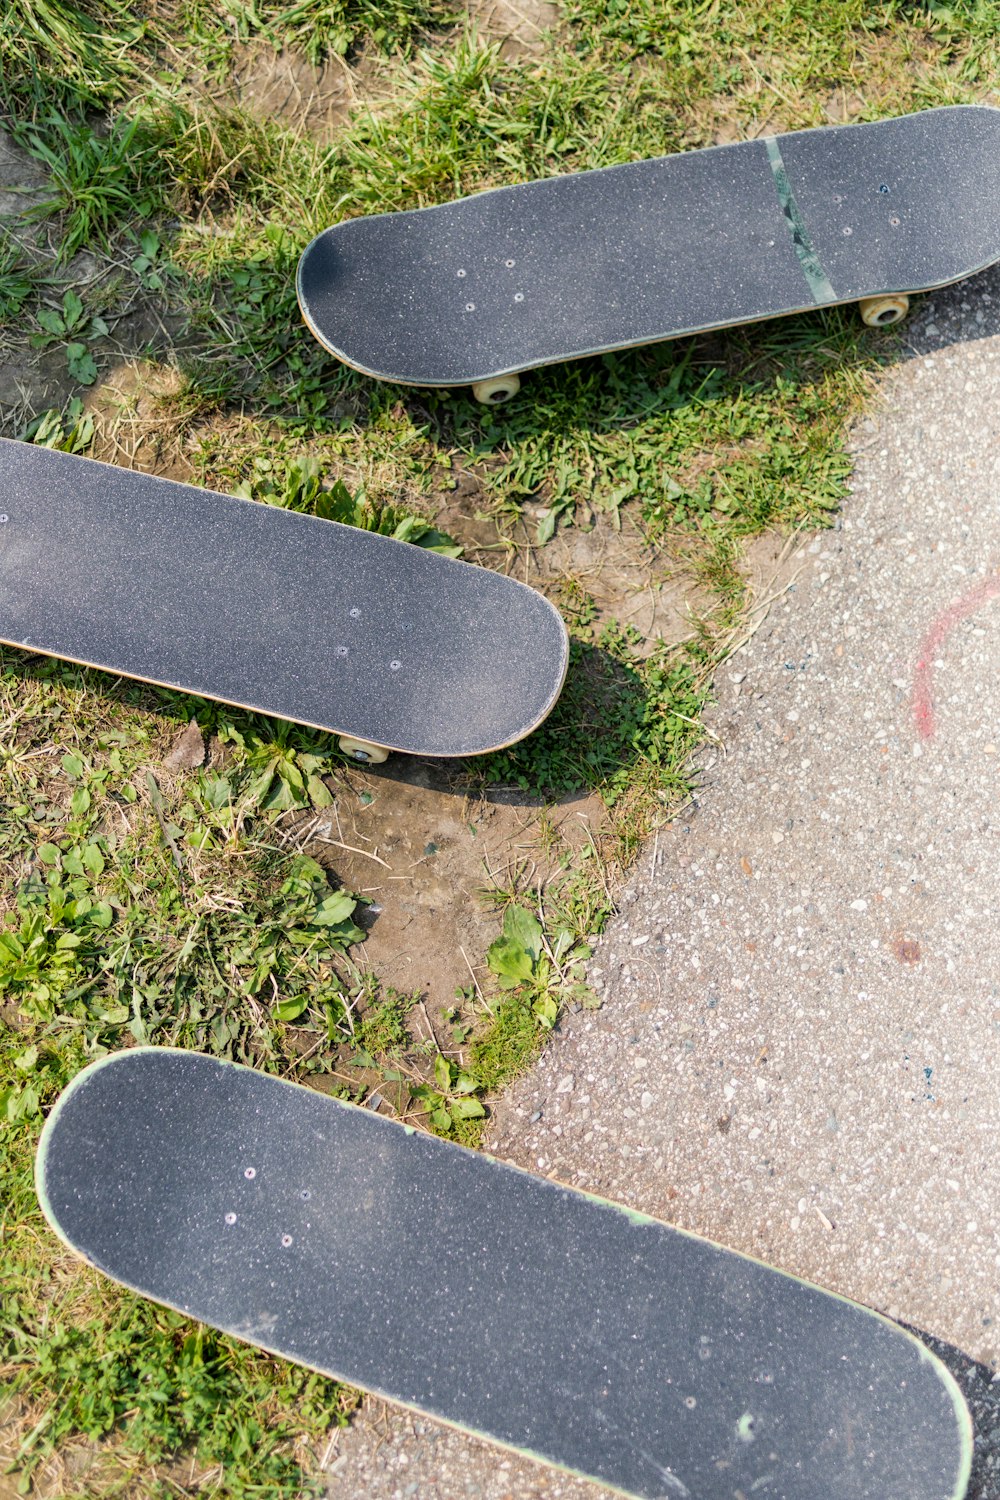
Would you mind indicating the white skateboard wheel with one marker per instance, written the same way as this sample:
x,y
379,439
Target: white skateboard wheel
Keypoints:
x,y
493,392
879,312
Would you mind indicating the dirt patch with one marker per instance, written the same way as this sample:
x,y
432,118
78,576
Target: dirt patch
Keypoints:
x,y
314,99
23,186
135,424
771,563
627,579
842,105
463,511
28,380
32,381
519,27
428,856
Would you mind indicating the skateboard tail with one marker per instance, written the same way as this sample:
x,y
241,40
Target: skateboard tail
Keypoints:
x,y
270,610
91,1144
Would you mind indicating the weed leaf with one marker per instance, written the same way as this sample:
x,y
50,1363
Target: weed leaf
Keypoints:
x,y
81,364
514,954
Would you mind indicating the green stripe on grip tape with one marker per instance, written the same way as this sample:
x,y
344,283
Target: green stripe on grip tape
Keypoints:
x,y
812,268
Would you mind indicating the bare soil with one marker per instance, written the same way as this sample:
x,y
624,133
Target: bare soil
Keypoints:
x,y
427,855
314,99
519,25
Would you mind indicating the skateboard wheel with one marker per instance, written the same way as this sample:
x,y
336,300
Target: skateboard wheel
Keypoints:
x,y
492,392
879,312
372,755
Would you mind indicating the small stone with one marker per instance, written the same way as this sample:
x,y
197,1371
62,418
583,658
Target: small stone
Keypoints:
x,y
83,267
188,749
646,1101
860,905
15,379
565,1085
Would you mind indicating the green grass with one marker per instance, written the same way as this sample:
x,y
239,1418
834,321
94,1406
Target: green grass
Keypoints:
x,y
18,282
98,181
140,904
144,908
316,28
64,51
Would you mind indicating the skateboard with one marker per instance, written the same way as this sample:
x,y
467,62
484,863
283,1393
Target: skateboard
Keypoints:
x,y
548,1321
475,291
389,645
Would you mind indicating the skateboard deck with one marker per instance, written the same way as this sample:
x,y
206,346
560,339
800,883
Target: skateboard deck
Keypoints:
x,y
517,277
551,1322
268,609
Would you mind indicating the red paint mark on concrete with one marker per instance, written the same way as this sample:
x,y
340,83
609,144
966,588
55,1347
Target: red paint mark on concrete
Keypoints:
x,y
941,628
907,950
